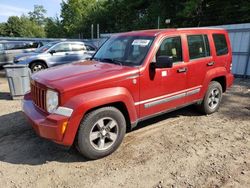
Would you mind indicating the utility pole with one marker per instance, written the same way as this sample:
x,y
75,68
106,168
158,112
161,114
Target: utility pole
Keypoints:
x,y
92,31
97,30
158,22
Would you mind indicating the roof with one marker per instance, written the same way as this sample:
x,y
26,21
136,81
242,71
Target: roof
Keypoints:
x,y
155,32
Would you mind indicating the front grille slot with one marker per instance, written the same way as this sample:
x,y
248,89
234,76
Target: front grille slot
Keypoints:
x,y
38,96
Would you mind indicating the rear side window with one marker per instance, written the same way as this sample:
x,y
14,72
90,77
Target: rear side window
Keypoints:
x,y
220,44
77,47
171,47
15,46
198,46
28,45
63,47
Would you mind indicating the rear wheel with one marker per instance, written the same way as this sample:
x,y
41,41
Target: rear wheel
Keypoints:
x,y
101,132
212,99
37,66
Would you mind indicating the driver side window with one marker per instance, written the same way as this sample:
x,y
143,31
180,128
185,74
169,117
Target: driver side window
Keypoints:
x,y
171,47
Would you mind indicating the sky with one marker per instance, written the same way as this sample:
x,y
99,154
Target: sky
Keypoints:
x,y
19,7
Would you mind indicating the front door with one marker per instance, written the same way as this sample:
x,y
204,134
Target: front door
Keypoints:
x,y
61,54
165,88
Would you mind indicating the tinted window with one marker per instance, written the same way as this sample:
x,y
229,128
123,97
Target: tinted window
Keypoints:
x,y
46,47
171,47
1,47
198,46
220,44
15,45
78,47
63,47
33,45
90,48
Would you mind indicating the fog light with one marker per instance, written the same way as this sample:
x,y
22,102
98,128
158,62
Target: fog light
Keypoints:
x,y
64,126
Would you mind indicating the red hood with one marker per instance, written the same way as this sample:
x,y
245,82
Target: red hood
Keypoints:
x,y
81,74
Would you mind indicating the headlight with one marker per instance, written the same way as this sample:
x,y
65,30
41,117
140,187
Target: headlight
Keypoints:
x,y
51,101
23,58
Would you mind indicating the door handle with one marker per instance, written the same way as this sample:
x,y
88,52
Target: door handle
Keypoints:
x,y
182,70
211,63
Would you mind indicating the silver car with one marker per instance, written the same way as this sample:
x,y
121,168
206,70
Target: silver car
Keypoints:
x,y
9,49
55,53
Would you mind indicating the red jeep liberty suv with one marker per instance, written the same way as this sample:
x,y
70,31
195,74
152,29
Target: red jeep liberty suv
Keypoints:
x,y
132,77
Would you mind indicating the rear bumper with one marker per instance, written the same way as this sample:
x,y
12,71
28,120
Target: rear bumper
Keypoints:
x,y
230,80
47,126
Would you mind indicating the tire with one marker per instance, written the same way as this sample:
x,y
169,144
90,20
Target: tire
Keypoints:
x,y
212,99
101,132
37,66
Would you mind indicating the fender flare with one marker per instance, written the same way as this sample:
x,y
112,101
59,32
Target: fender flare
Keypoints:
x,y
210,75
82,103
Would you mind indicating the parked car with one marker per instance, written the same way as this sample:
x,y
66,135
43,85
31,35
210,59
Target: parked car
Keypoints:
x,y
55,53
8,49
132,77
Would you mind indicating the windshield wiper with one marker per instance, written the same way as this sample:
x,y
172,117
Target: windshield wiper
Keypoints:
x,y
114,61
109,60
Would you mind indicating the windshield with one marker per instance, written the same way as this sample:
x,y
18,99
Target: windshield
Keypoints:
x,y
45,47
124,50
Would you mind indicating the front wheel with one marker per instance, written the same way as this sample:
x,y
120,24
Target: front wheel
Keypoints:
x,y
212,99
101,132
37,66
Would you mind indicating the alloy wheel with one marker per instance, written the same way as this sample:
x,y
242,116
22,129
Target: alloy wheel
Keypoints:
x,y
104,133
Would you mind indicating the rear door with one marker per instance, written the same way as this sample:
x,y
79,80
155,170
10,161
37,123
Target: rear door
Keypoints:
x,y
222,57
78,52
199,63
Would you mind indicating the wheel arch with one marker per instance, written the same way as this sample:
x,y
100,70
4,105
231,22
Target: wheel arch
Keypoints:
x,y
82,104
222,81
38,60
217,74
121,106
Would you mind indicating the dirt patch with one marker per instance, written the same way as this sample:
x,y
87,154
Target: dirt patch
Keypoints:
x,y
179,149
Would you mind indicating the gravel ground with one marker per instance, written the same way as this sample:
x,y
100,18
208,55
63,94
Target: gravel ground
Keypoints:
x,y
179,149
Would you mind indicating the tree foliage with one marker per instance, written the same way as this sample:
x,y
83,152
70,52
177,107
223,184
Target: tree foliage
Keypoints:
x,y
25,26
53,28
38,15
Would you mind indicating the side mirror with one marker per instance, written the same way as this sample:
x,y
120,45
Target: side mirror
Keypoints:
x,y
52,52
164,62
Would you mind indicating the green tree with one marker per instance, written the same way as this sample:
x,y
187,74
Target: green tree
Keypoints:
x,y
53,28
38,15
23,27
13,26
30,28
74,13
3,31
